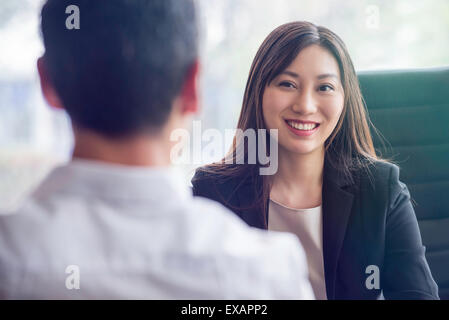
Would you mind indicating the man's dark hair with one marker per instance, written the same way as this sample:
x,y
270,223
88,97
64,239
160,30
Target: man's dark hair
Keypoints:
x,y
120,72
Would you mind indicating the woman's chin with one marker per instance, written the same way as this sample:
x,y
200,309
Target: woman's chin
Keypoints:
x,y
300,148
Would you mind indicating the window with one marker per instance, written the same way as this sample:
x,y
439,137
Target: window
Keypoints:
x,y
380,34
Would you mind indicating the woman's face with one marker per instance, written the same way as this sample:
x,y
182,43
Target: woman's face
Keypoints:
x,y
305,101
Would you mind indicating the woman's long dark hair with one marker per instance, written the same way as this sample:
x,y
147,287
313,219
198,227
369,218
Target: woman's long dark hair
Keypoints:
x,y
348,148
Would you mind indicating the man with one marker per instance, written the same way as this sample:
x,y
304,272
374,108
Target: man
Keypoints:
x,y
115,222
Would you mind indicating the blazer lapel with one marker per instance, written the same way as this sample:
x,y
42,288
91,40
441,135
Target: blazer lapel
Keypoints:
x,y
246,195
337,204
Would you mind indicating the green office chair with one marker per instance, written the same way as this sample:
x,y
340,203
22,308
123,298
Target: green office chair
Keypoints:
x,y
410,108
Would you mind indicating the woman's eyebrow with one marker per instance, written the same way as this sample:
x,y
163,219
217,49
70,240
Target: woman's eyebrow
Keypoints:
x,y
290,73
319,77
327,75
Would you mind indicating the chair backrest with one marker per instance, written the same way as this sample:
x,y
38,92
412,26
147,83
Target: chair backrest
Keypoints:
x,y
410,108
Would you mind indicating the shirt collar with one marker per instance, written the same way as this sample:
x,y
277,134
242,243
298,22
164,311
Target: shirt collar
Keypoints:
x,y
104,179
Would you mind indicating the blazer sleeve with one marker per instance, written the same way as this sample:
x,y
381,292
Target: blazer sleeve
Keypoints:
x,y
202,185
406,274
207,185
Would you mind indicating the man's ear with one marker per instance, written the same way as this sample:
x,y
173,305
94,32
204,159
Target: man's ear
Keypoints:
x,y
48,90
189,92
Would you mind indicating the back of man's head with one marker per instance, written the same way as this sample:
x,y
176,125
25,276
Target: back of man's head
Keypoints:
x,y
119,73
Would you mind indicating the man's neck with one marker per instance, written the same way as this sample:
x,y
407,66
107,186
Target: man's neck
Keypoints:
x,y
142,150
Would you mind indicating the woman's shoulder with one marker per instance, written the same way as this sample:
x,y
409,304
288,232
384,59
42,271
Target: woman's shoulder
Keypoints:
x,y
383,171
208,174
212,181
382,177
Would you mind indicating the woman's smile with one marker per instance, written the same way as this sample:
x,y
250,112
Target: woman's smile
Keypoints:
x,y
302,128
305,101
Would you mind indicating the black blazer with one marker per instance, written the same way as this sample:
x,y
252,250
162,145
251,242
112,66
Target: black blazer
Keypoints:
x,y
367,220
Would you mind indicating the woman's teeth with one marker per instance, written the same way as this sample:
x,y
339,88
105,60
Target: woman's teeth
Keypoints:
x,y
301,126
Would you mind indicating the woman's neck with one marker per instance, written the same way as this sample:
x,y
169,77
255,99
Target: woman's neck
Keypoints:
x,y
299,179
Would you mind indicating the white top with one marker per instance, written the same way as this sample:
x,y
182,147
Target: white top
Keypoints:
x,y
137,233
307,225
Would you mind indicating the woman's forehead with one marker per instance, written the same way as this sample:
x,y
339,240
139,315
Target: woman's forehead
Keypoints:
x,y
313,61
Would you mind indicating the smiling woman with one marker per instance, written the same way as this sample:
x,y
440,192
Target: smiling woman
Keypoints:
x,y
345,204
411,30
305,101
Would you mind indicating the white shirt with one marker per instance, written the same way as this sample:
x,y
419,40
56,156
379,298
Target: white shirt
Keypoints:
x,y
307,225
137,233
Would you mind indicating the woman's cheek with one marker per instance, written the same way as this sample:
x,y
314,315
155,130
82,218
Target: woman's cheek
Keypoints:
x,y
269,111
334,110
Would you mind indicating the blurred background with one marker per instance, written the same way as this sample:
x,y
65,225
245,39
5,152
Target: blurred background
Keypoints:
x,y
380,34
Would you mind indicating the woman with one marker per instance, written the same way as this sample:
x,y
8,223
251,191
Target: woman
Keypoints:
x,y
347,206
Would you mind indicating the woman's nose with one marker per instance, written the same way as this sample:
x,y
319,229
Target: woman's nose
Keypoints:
x,y
305,103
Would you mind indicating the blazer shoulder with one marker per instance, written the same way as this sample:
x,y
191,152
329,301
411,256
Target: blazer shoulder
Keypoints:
x,y
201,181
385,170
201,174
382,181
211,185
204,177
381,173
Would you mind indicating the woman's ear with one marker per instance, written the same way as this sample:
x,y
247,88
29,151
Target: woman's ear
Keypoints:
x,y
48,90
189,92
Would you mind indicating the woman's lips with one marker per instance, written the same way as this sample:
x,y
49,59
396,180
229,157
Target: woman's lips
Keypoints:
x,y
302,132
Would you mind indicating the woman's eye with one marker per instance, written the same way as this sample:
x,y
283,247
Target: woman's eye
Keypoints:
x,y
287,84
326,87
